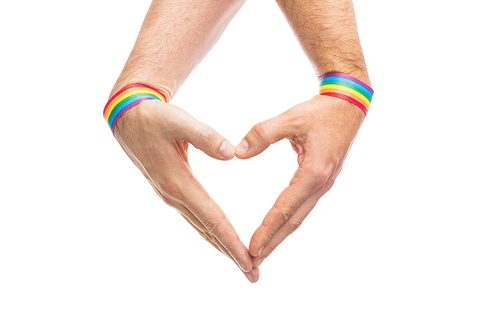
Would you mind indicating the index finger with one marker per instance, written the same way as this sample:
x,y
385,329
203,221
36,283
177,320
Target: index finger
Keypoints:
x,y
303,184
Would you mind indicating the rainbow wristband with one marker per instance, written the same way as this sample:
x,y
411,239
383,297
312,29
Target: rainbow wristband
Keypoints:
x,y
126,98
348,88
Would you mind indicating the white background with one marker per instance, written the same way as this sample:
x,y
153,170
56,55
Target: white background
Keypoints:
x,y
408,239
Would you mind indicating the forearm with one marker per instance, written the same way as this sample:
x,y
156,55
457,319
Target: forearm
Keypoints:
x,y
175,36
327,32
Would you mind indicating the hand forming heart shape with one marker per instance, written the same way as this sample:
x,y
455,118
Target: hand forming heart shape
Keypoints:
x,y
156,135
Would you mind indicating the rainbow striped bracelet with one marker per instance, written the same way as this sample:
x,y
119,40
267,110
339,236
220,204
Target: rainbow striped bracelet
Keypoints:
x,y
126,98
348,88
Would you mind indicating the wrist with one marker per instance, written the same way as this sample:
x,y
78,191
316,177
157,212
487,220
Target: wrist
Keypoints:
x,y
128,97
163,86
358,72
348,88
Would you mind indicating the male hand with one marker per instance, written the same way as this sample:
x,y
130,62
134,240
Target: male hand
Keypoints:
x,y
156,136
321,132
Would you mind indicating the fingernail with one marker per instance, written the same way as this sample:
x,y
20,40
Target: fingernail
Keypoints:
x,y
258,262
249,276
260,251
226,149
253,275
242,148
244,267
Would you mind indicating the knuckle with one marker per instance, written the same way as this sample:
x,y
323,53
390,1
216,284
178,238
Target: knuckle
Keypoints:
x,y
320,175
285,213
260,131
206,136
209,238
265,231
268,234
294,225
205,237
212,225
328,185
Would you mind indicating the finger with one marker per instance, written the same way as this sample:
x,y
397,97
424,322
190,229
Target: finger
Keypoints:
x,y
191,219
200,230
264,134
303,184
215,223
292,224
252,275
207,139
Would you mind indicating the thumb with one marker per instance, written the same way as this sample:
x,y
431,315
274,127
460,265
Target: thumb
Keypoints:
x,y
262,135
208,140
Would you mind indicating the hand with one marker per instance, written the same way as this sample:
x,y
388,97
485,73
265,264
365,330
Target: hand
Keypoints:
x,y
156,136
321,132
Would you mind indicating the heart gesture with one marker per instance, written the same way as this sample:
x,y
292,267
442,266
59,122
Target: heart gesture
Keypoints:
x,y
155,134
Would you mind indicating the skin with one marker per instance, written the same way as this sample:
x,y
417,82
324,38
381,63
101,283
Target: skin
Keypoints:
x,y
174,38
320,130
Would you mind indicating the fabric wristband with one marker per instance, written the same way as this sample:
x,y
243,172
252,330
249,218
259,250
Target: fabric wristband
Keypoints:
x,y
348,88
126,98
